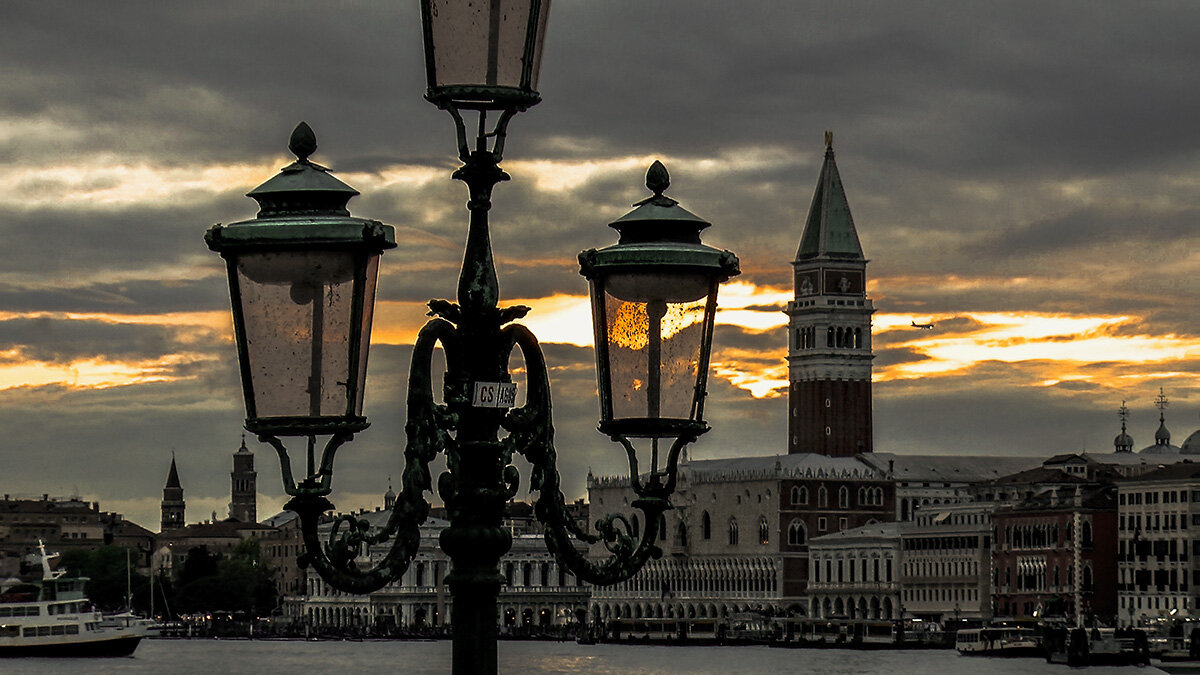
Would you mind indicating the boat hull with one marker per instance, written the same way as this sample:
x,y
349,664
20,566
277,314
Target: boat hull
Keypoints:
x,y
1024,652
103,647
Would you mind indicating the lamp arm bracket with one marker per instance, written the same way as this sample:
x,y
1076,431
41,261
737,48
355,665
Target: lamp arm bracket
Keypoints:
x,y
317,484
350,537
531,433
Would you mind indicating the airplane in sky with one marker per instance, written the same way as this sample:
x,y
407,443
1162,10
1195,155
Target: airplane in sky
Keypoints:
x,y
922,326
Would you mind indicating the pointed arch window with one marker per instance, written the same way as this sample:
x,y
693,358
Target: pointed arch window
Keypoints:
x,y
733,532
799,495
843,497
797,536
822,496
705,526
764,530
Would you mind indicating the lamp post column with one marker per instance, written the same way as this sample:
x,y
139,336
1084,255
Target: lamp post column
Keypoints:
x,y
474,489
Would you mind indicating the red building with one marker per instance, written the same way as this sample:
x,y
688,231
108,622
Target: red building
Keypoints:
x,y
1057,550
841,498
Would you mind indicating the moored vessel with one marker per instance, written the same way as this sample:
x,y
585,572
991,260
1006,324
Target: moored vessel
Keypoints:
x,y
1011,641
53,617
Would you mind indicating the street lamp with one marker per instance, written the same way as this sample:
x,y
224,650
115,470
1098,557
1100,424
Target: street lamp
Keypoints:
x,y
302,285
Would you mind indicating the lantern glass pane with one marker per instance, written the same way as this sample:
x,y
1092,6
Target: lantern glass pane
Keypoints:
x,y
364,338
655,324
482,42
298,318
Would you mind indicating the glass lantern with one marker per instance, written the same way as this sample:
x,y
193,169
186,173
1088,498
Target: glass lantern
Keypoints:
x,y
302,278
483,54
654,300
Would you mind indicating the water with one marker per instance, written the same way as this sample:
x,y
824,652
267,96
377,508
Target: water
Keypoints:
x,y
228,657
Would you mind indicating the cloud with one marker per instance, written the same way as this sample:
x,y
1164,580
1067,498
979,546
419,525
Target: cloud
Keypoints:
x,y
1025,159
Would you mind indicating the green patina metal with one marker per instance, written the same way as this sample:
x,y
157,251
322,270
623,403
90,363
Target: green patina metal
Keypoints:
x,y
302,207
829,231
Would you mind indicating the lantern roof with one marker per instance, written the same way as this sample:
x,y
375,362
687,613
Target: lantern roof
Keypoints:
x,y
303,186
662,234
302,205
659,218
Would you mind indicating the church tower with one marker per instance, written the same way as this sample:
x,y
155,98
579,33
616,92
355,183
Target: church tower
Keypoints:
x,y
243,486
829,350
172,501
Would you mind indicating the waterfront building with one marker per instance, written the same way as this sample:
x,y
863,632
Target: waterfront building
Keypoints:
x,y
738,539
1056,549
931,481
243,488
855,573
1159,524
946,563
537,593
280,547
61,523
829,328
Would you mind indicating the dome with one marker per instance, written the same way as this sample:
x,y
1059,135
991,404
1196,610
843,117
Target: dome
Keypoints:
x,y
1192,444
1123,442
1162,441
1156,449
1162,436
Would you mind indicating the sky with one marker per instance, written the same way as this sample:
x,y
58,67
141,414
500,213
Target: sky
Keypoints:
x,y
1024,175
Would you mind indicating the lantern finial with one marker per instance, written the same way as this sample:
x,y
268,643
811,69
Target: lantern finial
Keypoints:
x,y
657,178
303,142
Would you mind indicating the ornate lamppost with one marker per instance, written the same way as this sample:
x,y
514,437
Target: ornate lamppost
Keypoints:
x,y
302,278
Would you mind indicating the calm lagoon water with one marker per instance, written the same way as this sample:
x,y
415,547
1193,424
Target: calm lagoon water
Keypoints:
x,y
230,657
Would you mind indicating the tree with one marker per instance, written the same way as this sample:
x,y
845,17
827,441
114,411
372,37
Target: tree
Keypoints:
x,y
241,582
106,570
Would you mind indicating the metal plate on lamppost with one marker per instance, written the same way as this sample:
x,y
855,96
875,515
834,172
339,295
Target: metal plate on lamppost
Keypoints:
x,y
494,395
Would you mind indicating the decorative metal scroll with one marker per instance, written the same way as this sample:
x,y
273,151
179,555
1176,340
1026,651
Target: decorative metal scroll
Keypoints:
x,y
531,433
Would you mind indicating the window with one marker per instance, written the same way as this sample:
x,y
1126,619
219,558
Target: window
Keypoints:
x,y
843,497
764,530
822,497
681,537
842,523
705,526
822,526
796,534
733,532
799,495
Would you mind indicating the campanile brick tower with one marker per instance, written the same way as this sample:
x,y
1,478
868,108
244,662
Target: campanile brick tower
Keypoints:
x,y
829,350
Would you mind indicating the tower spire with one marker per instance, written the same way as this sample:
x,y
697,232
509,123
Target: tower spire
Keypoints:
x,y
829,230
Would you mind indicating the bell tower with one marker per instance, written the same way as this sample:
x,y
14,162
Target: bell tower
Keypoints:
x,y
243,488
829,329
172,501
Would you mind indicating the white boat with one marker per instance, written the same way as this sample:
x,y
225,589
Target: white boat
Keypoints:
x,y
53,617
997,641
